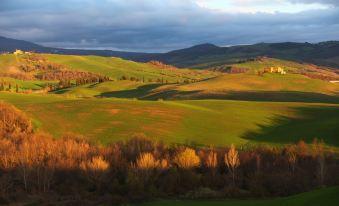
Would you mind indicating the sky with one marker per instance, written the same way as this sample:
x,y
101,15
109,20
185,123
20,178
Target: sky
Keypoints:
x,y
164,25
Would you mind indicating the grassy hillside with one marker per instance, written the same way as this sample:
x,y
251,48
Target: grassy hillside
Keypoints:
x,y
270,117
327,197
24,84
207,122
270,87
114,68
94,90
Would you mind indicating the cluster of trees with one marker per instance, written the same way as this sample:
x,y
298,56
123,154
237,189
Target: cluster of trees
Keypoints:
x,y
140,169
17,75
49,71
72,78
157,80
229,69
161,65
81,77
7,86
34,62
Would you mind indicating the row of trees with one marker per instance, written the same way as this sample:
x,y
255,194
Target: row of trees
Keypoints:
x,y
141,169
7,86
157,80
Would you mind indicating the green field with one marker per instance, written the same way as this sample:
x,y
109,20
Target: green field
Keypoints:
x,y
328,197
271,87
115,68
25,84
206,122
112,67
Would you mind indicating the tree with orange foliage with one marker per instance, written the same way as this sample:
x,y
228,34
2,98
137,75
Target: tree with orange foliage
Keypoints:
x,y
187,159
232,161
211,160
147,161
95,170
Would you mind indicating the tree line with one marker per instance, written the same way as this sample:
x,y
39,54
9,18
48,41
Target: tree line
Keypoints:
x,y
139,169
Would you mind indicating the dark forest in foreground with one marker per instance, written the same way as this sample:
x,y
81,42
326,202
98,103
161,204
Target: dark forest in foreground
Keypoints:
x,y
75,171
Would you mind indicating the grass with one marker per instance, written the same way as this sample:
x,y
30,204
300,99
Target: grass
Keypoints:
x,y
25,84
270,87
112,67
328,197
202,122
269,82
116,68
93,90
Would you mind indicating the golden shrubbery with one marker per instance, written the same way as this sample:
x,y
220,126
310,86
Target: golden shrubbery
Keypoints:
x,y
147,161
96,164
13,122
187,159
212,160
232,161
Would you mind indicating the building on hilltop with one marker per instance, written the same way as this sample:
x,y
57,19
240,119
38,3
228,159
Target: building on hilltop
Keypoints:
x,y
18,52
277,70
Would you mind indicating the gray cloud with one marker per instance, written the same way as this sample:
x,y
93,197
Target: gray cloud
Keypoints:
x,y
154,25
330,2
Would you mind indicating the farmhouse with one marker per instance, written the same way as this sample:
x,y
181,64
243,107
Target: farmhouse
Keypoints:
x,y
276,70
18,52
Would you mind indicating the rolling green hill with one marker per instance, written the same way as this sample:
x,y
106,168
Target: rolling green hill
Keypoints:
x,y
206,122
112,67
275,109
270,87
302,83
328,197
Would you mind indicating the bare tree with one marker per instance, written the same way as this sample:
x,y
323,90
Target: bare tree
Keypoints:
x,y
318,153
291,153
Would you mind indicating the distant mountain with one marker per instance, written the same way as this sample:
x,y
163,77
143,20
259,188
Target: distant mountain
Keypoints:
x,y
205,55
10,45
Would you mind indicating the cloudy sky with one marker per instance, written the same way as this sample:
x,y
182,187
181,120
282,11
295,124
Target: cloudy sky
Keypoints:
x,y
163,25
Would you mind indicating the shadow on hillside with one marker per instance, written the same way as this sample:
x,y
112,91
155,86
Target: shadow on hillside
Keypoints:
x,y
272,96
311,122
138,93
282,96
61,91
145,92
